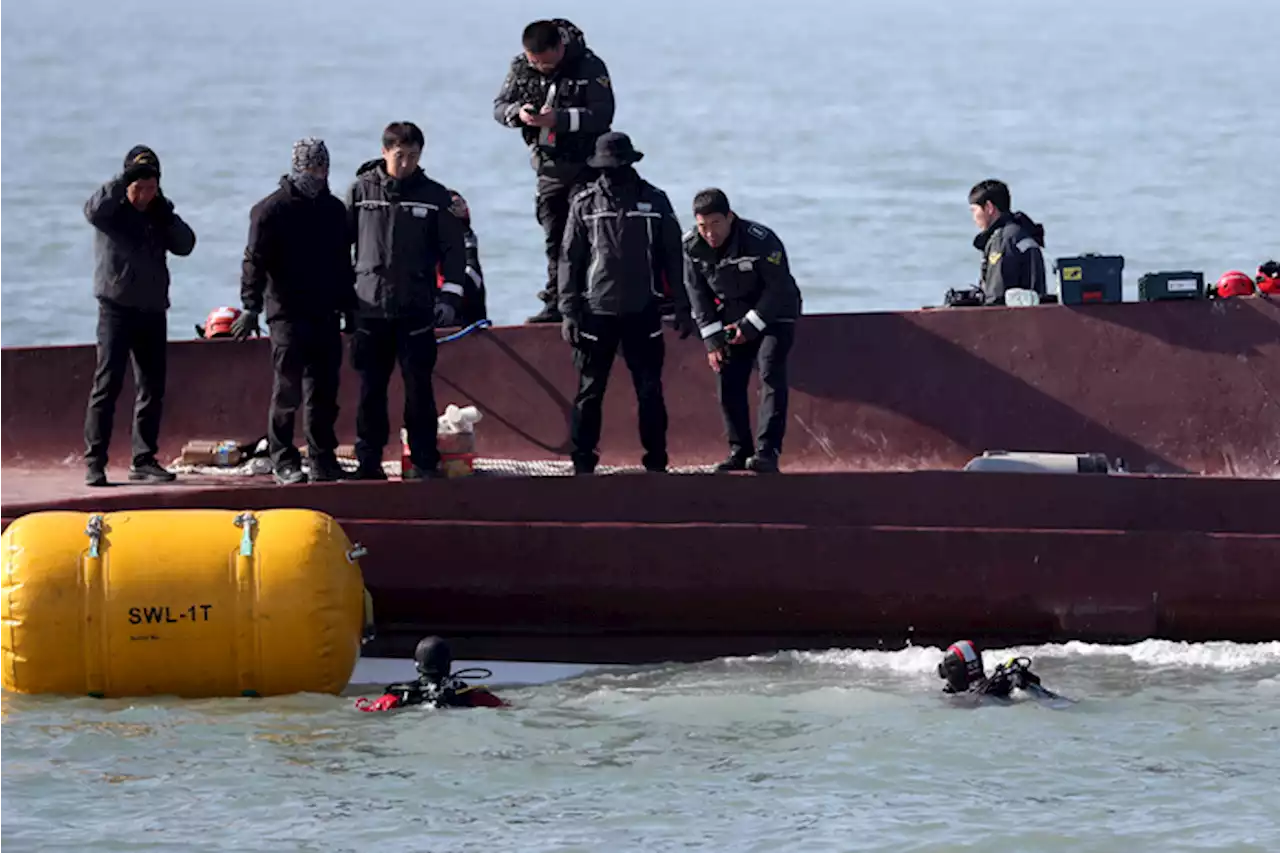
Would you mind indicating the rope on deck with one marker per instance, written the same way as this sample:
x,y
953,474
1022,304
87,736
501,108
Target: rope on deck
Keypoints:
x,y
261,466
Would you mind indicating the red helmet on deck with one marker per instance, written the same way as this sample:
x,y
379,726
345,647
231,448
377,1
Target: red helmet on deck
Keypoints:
x,y
1269,278
218,323
1234,283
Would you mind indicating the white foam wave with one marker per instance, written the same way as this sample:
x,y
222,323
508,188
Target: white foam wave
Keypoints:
x,y
1152,653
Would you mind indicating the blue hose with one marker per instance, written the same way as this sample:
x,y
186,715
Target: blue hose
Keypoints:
x,y
463,332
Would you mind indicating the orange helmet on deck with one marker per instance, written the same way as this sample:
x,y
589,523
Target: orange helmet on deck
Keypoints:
x,y
1234,283
218,323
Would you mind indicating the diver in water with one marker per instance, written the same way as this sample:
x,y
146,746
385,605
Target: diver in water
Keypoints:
x,y
437,685
962,669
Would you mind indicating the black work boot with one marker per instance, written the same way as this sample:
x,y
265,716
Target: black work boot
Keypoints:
x,y
656,464
737,461
584,465
95,475
764,462
370,468
325,469
149,471
415,474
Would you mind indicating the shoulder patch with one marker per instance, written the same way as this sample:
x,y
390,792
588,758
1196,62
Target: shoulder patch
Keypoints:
x,y
757,231
994,257
775,257
603,80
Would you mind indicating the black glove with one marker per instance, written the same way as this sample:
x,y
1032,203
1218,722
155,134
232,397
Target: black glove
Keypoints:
x,y
445,313
245,325
161,210
569,330
682,322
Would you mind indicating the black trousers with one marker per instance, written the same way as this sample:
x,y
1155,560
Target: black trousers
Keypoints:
x,y
376,347
124,333
307,357
557,184
769,353
640,336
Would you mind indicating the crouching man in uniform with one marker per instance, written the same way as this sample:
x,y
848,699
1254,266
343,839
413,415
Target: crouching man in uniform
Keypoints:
x,y
746,303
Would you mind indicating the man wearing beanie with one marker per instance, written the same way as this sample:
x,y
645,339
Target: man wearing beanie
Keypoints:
x,y
297,269
135,229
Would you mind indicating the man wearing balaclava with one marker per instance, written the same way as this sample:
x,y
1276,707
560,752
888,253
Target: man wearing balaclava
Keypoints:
x,y
135,229
297,270
622,239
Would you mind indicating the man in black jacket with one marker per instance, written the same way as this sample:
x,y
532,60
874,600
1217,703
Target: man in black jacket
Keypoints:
x,y
135,229
298,266
400,223
1010,244
621,238
558,95
473,293
746,303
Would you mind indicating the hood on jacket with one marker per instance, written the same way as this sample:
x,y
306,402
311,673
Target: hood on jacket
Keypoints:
x,y
1035,229
575,41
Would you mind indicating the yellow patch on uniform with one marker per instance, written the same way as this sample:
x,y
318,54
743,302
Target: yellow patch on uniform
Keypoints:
x,y
775,257
994,257
1073,274
603,81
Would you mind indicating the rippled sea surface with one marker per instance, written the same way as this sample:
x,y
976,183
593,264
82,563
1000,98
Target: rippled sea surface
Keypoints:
x,y
855,129
1169,747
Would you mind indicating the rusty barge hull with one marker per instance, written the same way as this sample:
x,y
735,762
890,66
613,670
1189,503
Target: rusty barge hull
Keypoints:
x,y
858,546
633,567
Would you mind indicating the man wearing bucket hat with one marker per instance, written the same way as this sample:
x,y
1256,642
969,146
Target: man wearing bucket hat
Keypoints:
x,y
135,230
622,237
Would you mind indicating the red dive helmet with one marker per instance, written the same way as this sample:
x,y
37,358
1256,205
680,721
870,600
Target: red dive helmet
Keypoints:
x,y
1234,283
218,323
961,666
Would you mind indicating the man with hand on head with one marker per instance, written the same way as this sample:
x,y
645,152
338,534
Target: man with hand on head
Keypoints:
x,y
135,229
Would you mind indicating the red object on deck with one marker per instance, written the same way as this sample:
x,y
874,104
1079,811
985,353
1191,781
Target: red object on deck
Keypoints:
x,y
1234,283
873,538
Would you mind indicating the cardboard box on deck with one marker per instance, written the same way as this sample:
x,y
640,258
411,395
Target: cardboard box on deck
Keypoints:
x,y
223,454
